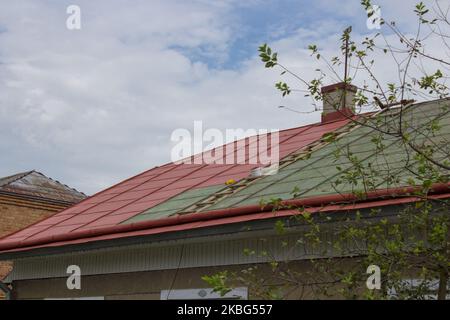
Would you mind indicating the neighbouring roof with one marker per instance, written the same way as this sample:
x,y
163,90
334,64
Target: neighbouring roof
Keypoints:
x,y
186,196
40,187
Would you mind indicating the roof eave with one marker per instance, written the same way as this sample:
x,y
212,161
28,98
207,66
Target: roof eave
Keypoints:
x,y
255,224
231,215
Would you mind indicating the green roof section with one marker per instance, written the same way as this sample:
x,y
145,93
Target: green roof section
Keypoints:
x,y
175,204
336,166
328,171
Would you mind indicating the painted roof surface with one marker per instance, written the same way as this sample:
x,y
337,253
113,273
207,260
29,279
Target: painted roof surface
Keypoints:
x,y
35,184
318,173
308,162
203,223
324,172
140,193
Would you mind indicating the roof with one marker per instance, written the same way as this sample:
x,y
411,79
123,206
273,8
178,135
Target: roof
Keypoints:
x,y
185,196
38,186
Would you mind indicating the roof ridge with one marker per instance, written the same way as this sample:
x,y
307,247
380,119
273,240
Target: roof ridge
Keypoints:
x,y
14,177
60,183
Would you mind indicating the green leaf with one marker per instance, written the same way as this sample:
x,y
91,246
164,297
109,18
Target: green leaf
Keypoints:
x,y
280,227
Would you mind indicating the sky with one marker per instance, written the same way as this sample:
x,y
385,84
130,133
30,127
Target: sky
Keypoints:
x,y
94,106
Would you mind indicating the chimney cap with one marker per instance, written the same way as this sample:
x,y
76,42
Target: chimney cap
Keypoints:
x,y
339,85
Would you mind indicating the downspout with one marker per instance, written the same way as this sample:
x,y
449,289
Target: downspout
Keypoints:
x,y
6,289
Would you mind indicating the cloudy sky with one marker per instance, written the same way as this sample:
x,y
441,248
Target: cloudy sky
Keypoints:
x,y
91,107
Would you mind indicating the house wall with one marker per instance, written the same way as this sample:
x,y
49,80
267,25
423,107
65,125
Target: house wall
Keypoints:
x,y
17,213
147,285
205,251
142,269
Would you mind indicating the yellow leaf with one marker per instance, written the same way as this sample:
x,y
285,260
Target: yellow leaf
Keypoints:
x,y
230,182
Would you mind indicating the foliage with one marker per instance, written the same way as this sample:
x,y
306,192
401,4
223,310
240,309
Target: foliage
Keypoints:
x,y
413,242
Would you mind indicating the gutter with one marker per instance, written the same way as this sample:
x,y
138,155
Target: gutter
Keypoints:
x,y
318,201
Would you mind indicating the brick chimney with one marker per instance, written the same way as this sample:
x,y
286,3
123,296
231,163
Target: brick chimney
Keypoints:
x,y
338,101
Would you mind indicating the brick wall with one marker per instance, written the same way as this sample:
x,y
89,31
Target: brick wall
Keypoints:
x,y
17,213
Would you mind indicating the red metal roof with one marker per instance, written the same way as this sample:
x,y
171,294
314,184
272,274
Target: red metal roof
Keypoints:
x,y
195,221
118,203
100,217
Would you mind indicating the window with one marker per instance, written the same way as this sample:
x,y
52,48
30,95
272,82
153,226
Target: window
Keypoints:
x,y
412,287
204,293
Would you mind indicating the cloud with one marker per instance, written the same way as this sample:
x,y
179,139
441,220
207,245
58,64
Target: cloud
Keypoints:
x,y
95,106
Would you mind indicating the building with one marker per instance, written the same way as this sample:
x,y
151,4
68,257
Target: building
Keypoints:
x,y
153,236
27,198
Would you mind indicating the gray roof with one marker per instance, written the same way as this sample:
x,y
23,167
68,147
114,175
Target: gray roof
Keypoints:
x,y
37,185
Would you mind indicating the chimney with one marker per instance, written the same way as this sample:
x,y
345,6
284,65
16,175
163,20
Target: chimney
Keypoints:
x,y
338,101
